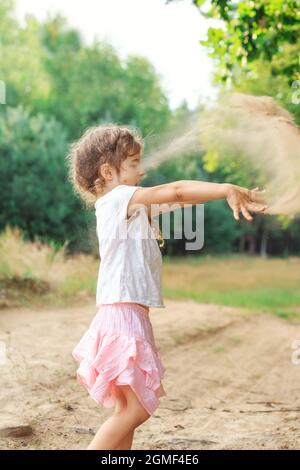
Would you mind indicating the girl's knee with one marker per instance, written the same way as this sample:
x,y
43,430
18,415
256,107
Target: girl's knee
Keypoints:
x,y
136,416
134,408
141,415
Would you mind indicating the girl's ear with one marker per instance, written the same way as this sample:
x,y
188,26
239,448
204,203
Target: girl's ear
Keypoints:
x,y
105,171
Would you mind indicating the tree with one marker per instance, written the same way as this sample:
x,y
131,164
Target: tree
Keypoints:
x,y
250,30
35,195
90,84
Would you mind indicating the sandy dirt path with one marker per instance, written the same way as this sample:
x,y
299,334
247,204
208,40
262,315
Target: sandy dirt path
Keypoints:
x,y
230,380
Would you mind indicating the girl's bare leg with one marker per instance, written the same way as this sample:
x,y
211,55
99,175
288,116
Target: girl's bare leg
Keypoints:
x,y
118,429
126,443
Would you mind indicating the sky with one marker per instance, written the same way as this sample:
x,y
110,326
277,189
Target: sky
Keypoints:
x,y
167,34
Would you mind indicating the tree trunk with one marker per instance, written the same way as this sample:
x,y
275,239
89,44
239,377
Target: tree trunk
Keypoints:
x,y
264,243
242,243
251,244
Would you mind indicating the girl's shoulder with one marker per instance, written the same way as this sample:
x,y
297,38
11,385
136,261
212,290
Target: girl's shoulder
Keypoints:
x,y
119,193
116,200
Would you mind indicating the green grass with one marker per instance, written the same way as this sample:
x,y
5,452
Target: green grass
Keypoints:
x,y
32,273
283,303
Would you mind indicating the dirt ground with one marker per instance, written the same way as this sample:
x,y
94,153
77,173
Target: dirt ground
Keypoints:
x,y
230,380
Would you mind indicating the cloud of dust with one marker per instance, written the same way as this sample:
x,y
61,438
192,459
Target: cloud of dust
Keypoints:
x,y
257,128
182,140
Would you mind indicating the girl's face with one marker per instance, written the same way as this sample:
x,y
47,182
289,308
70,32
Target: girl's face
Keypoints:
x,y
131,172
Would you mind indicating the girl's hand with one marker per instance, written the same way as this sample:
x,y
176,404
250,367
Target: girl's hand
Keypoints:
x,y
244,200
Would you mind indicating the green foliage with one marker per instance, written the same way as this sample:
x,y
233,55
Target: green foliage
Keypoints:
x,y
100,87
48,68
251,30
57,86
35,195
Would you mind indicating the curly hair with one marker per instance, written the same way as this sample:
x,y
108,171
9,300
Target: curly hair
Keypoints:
x,y
100,144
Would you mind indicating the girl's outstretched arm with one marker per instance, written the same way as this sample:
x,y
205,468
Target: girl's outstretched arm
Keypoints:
x,y
196,192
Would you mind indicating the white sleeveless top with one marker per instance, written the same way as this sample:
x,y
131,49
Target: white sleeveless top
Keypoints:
x,y
131,262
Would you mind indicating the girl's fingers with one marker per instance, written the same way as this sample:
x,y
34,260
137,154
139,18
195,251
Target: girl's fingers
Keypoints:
x,y
251,206
257,196
257,203
236,213
246,214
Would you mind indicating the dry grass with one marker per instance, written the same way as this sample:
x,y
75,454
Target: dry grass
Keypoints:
x,y
36,273
268,284
64,278
228,272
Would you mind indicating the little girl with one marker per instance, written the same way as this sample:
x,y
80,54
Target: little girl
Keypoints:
x,y
119,362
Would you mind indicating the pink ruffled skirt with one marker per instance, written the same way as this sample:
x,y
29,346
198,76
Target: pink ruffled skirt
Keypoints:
x,y
118,348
